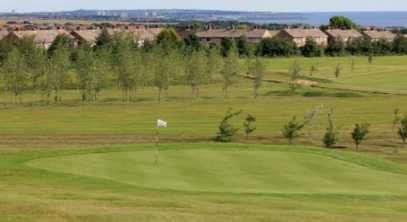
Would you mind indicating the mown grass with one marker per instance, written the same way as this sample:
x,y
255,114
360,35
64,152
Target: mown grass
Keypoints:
x,y
30,194
34,130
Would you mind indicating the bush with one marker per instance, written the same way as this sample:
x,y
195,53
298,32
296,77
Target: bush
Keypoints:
x,y
330,137
226,130
249,125
276,47
311,49
291,129
360,133
403,129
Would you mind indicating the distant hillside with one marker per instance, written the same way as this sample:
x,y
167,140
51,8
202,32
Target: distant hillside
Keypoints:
x,y
382,19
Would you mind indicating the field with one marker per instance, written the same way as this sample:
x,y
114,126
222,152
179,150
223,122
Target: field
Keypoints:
x,y
98,162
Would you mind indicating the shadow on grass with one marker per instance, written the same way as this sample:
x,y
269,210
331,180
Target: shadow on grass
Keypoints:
x,y
314,94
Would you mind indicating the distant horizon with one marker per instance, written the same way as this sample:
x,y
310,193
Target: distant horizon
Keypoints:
x,y
192,9
300,6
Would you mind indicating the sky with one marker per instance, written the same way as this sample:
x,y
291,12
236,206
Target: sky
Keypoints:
x,y
246,5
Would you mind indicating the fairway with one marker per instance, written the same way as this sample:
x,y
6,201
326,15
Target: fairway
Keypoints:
x,y
232,171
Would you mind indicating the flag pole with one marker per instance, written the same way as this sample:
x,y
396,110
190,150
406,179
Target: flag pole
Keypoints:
x,y
157,140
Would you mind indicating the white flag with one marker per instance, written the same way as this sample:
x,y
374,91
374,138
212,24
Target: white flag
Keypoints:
x,y
161,124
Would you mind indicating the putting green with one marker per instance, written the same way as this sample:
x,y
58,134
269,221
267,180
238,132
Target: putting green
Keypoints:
x,y
231,171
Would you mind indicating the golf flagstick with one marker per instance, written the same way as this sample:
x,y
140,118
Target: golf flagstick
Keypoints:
x,y
160,124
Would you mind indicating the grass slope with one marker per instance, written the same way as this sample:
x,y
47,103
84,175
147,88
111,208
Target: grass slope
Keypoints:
x,y
236,171
35,195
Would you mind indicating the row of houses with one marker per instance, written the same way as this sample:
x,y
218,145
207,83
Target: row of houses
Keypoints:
x,y
297,35
44,38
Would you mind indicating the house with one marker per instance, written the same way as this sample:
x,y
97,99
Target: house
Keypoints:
x,y
3,34
299,36
216,35
140,36
375,35
86,36
344,35
144,35
42,38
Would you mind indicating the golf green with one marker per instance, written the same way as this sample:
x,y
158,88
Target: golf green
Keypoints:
x,y
231,171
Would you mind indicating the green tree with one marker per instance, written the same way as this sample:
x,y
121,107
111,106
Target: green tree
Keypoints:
x,y
244,47
360,133
192,42
129,68
169,38
400,45
403,130
227,45
16,74
104,40
330,136
90,70
396,121
61,41
215,63
249,126
257,71
59,67
336,47
167,65
295,73
273,47
197,71
311,48
341,22
292,129
338,70
226,129
314,69
230,70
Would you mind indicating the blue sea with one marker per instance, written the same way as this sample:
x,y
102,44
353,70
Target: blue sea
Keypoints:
x,y
380,19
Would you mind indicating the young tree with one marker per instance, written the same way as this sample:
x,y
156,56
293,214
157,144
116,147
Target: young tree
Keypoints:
x,y
338,70
248,125
215,63
230,70
257,71
330,137
129,69
352,64
168,64
396,121
226,130
403,129
90,74
16,74
295,72
197,71
291,129
359,134
370,58
313,69
59,68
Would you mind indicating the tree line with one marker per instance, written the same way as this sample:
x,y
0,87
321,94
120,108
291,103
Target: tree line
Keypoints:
x,y
118,61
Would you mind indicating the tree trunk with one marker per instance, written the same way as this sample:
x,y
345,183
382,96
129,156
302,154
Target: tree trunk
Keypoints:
x,y
159,94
